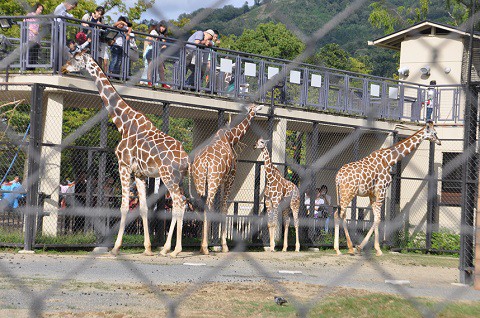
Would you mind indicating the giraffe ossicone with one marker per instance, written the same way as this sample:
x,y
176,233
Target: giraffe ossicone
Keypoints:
x,y
370,177
143,151
280,194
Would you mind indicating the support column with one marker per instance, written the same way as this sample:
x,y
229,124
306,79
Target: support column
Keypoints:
x,y
51,160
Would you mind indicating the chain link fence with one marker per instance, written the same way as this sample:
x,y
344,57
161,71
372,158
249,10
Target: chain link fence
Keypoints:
x,y
61,144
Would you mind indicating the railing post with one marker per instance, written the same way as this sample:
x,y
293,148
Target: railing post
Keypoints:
x,y
33,177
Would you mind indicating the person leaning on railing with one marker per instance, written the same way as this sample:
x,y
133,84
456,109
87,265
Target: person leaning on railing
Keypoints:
x,y
34,35
97,17
160,30
116,49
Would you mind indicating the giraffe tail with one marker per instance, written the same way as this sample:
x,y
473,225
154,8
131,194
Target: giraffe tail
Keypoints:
x,y
195,196
337,189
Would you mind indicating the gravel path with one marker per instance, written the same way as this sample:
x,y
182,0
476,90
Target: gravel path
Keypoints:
x,y
68,282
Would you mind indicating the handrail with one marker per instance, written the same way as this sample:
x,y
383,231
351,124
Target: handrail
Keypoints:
x,y
318,88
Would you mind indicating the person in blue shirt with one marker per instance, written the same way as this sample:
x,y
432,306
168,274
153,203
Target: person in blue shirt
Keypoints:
x,y
15,192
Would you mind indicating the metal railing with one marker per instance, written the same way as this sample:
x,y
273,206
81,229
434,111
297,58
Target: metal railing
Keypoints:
x,y
235,74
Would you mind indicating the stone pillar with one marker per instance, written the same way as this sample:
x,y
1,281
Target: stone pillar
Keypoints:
x,y
51,160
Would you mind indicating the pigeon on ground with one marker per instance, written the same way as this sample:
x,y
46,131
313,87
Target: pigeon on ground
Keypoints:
x,y
280,300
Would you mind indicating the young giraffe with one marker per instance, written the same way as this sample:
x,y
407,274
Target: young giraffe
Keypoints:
x,y
279,191
215,165
371,177
143,150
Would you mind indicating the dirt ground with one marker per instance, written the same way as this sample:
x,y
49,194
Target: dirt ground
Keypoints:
x,y
222,285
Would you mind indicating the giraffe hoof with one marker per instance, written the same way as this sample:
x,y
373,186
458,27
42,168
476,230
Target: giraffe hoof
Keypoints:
x,y
339,253
224,249
379,253
164,252
173,254
297,250
358,250
284,250
114,251
148,253
204,251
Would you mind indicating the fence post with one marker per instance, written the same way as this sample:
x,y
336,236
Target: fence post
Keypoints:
x,y
468,169
214,223
34,150
356,155
393,234
431,192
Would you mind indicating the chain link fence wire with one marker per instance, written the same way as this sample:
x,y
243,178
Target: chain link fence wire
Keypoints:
x,y
79,188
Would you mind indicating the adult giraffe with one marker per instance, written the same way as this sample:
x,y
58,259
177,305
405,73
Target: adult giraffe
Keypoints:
x,y
143,151
215,165
278,192
370,177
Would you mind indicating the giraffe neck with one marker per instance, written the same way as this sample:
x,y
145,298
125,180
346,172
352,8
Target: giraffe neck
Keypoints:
x,y
112,101
403,148
269,169
236,133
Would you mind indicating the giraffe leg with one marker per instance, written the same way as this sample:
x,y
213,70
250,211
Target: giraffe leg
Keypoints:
x,y
351,251
272,224
271,233
295,206
168,242
227,189
286,224
142,194
376,220
213,186
125,181
204,245
337,232
177,214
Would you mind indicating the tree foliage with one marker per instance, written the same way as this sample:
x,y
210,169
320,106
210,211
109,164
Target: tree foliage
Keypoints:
x,y
268,39
333,56
393,15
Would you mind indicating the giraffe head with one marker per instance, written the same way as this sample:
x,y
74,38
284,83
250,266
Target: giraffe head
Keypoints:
x,y
261,143
78,62
254,108
430,133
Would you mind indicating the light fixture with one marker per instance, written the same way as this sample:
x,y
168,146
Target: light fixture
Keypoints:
x,y
403,71
6,23
447,70
425,70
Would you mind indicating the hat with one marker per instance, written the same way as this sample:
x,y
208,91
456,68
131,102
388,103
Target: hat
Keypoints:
x,y
125,19
210,31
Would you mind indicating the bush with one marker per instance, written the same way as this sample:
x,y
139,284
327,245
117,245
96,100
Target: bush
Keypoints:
x,y
444,239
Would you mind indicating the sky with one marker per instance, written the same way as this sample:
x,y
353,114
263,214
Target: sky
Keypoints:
x,y
171,9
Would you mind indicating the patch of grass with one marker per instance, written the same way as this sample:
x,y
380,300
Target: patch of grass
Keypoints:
x,y
11,236
68,239
381,305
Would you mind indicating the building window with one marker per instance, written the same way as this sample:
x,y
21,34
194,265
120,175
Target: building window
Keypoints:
x,y
452,166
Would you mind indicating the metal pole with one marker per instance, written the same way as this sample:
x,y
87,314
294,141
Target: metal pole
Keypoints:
x,y
468,167
394,230
476,282
33,177
431,192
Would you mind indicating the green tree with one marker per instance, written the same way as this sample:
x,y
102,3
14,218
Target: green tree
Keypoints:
x,y
388,16
268,39
333,56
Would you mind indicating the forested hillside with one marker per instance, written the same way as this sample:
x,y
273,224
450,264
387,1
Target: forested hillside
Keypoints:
x,y
308,16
